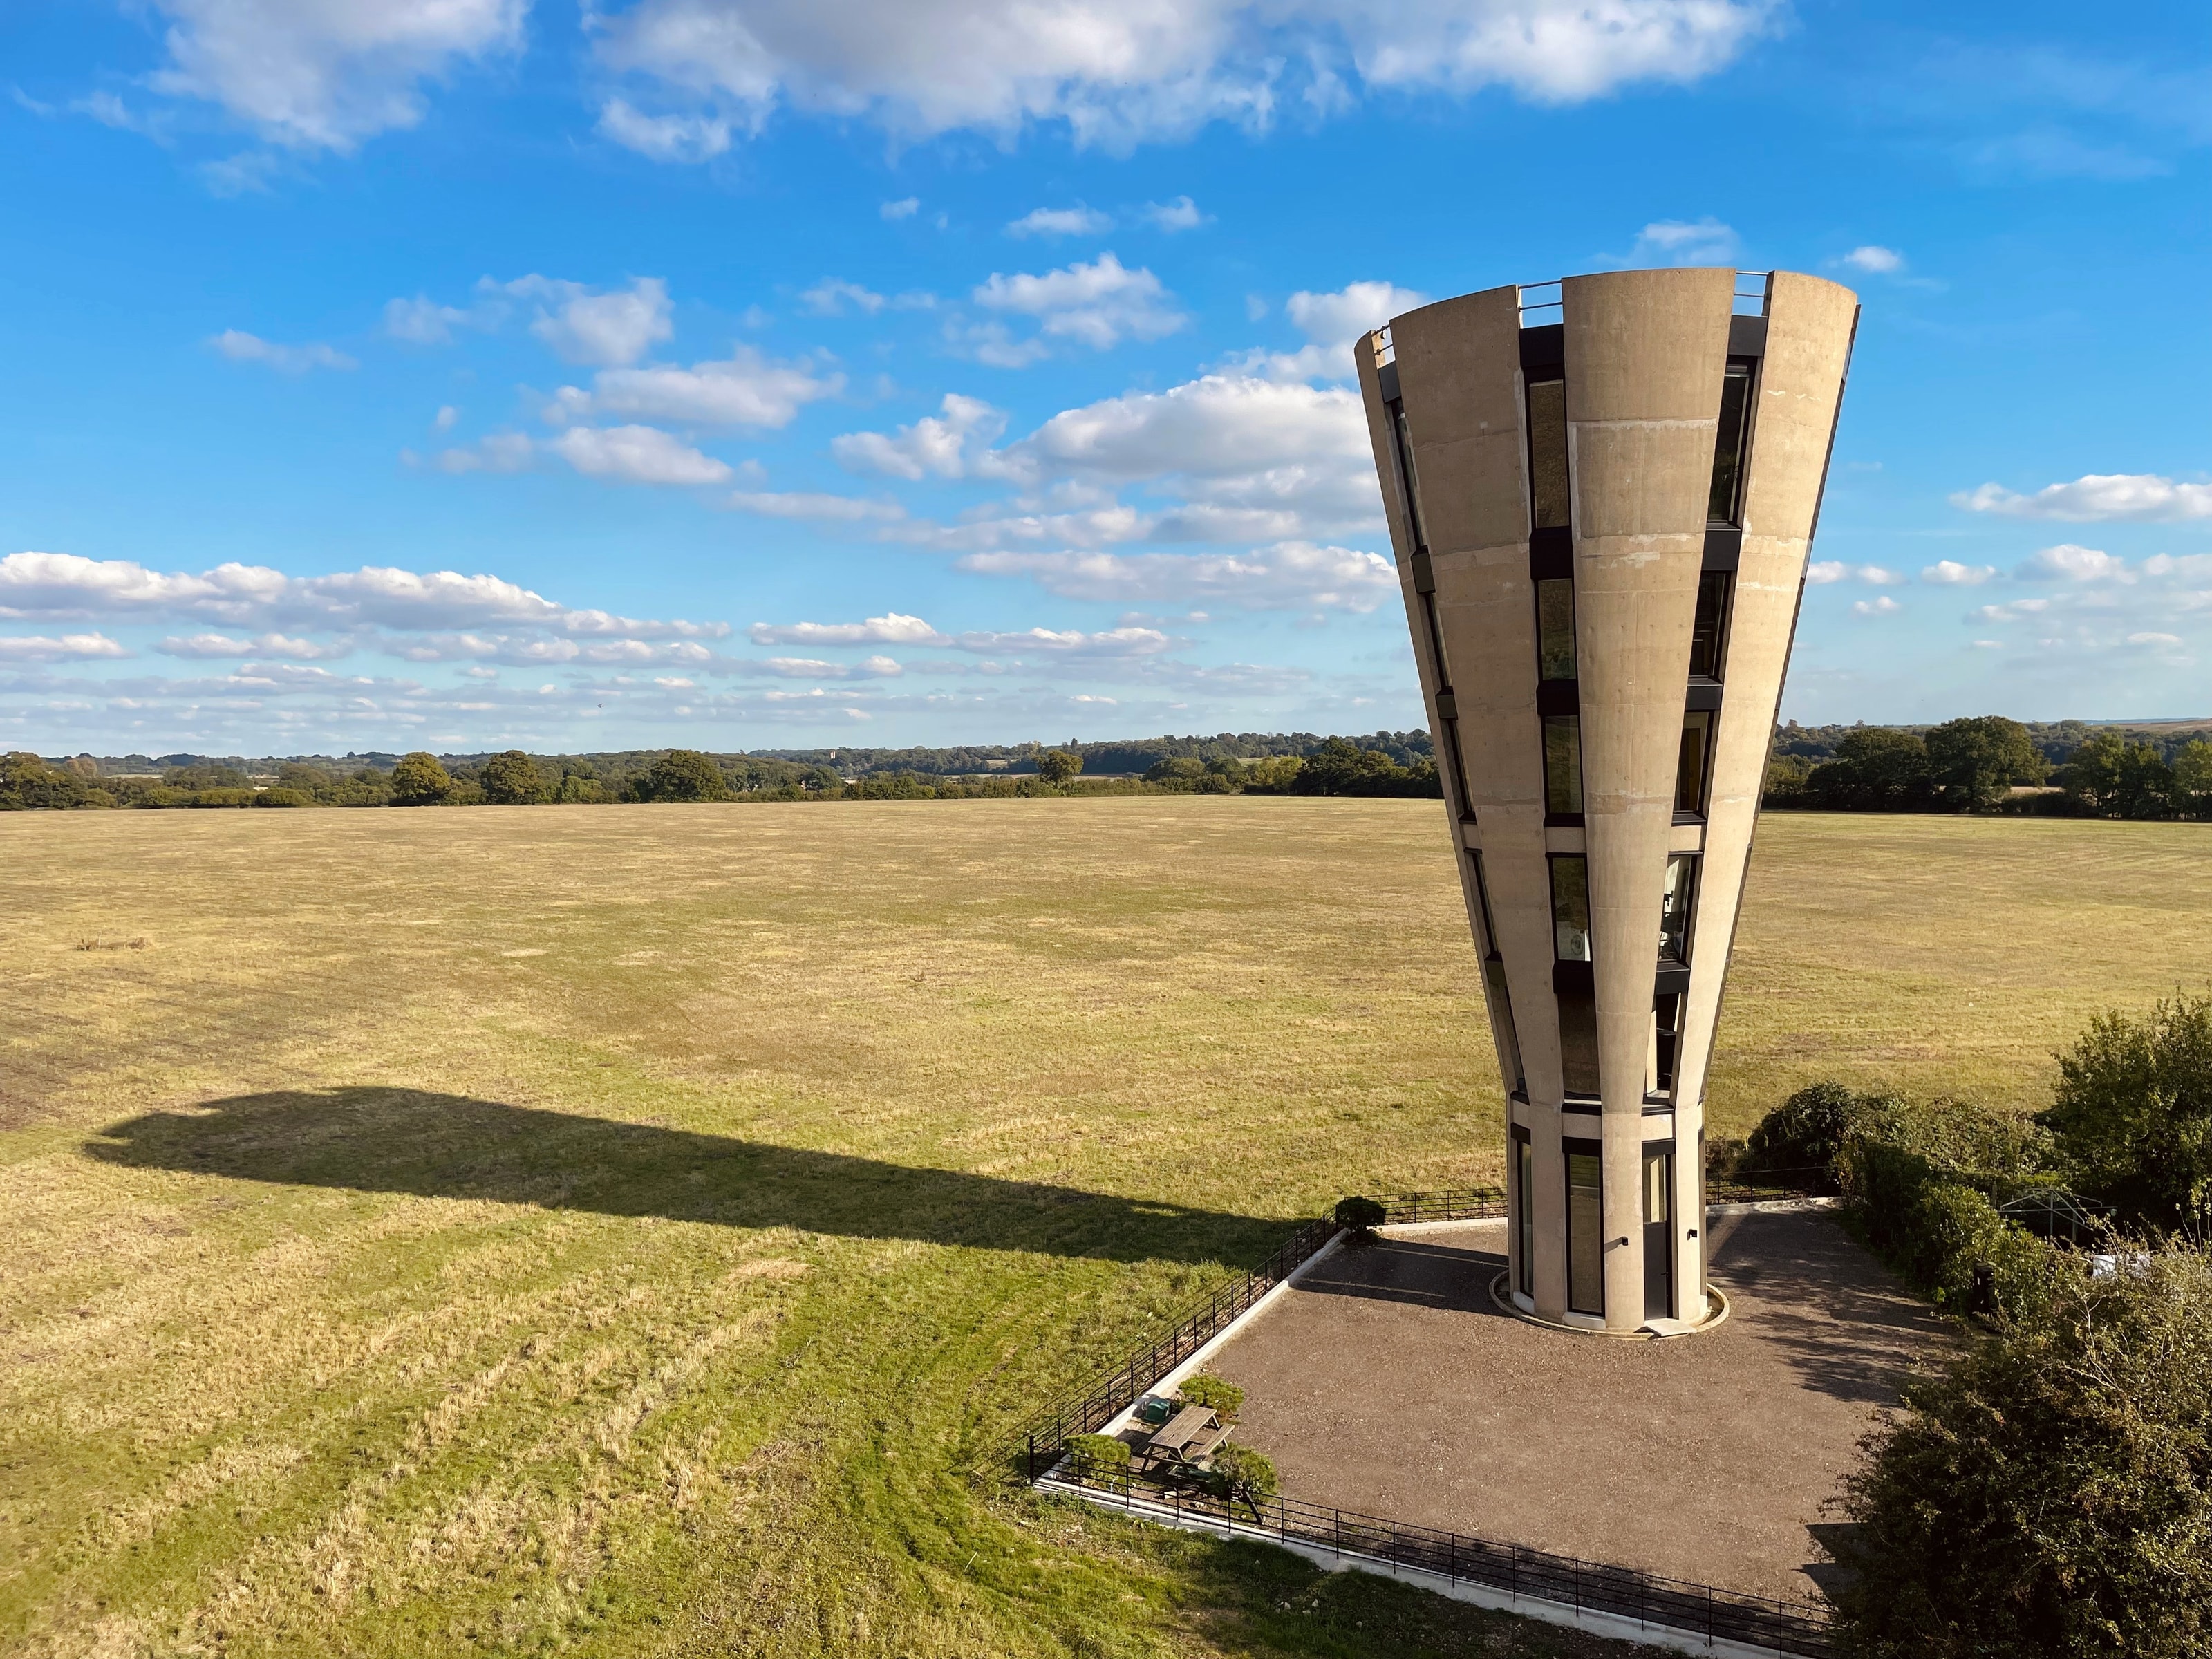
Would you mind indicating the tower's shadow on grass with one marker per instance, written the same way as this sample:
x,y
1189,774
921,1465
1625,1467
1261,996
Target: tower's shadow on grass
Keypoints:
x,y
434,1145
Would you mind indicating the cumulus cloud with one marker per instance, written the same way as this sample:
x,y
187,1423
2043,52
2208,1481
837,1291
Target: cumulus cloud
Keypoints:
x,y
890,629
2070,563
1127,641
1331,322
830,297
664,137
1077,220
1119,74
243,348
636,454
40,647
1877,261
1289,575
2096,497
503,452
587,326
423,321
1704,241
1948,572
1098,304
1823,571
1182,214
949,445
744,389
906,207
278,646
808,504
316,75
1881,605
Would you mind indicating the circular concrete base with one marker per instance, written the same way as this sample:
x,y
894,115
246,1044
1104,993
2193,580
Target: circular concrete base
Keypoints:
x,y
1716,1315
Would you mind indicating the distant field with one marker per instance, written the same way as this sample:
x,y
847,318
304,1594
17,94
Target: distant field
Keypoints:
x,y
630,1229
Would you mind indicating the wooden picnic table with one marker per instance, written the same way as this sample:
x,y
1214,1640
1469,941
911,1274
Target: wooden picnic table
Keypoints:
x,y
1191,1434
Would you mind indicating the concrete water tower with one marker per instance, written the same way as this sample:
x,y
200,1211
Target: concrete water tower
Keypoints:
x,y
1601,494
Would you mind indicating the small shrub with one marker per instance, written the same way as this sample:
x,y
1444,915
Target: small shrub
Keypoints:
x,y
222,798
1096,1455
1240,1472
1363,1216
1223,1399
279,796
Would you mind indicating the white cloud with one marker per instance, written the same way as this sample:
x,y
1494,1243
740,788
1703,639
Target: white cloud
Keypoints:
x,y
1097,304
636,454
665,137
537,650
744,389
2096,496
1882,605
423,321
1077,220
324,74
39,648
950,446
503,452
243,348
890,629
1823,571
1117,74
1880,261
2147,638
905,209
830,297
1704,241
446,417
2070,563
809,668
583,326
1113,642
1289,575
278,646
1330,322
807,504
1950,573
1182,214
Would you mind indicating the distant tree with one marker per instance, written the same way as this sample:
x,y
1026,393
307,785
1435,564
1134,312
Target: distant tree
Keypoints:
x,y
578,789
206,775
1277,775
511,778
2192,778
1973,763
1174,769
2132,1113
419,780
1786,776
1058,766
307,780
278,795
2051,1495
26,780
1876,770
683,774
2109,777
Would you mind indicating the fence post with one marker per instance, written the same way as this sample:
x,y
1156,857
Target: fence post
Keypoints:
x,y
1032,1463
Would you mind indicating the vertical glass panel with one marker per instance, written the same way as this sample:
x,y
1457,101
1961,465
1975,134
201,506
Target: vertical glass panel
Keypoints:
x,y
1547,453
1658,1234
1493,977
1563,763
1658,1201
1524,1197
1665,1040
1674,910
1578,1068
1705,631
1436,640
1570,907
1482,903
1690,769
1555,629
1585,1234
1409,481
1727,446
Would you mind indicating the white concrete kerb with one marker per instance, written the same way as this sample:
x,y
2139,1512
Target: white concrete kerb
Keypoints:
x,y
1614,1625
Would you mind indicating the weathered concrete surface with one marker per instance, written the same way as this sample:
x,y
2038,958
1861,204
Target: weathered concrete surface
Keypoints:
x,y
1389,1382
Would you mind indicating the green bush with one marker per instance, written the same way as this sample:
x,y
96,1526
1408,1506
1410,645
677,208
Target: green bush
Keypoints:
x,y
1096,1455
1809,1135
683,774
1057,766
2132,1115
1362,1215
160,795
221,798
1240,1472
2053,1494
277,795
419,780
511,778
1223,1398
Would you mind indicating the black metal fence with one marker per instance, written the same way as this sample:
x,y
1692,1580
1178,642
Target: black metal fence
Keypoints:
x,y
1798,1629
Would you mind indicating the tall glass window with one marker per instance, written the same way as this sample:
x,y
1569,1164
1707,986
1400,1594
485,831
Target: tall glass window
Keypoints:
x,y
1665,1041
1705,631
1658,1230
1547,453
1690,769
1555,629
1570,907
1525,1212
1563,765
1585,1229
1674,910
1727,499
1493,979
1409,481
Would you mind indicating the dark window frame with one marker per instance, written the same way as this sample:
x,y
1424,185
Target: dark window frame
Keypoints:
x,y
1524,1211
1538,505
1561,816
1720,583
1553,861
1544,675
1570,1151
1703,721
1687,909
1743,372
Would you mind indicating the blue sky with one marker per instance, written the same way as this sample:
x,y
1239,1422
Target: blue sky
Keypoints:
x,y
756,374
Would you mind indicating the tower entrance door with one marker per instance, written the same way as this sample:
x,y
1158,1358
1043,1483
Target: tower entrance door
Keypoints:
x,y
1659,1230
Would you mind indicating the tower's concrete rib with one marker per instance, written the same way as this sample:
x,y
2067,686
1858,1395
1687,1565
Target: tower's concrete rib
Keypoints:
x,y
1601,522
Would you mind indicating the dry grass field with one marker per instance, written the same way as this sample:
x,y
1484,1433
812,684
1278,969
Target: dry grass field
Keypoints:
x,y
631,1230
